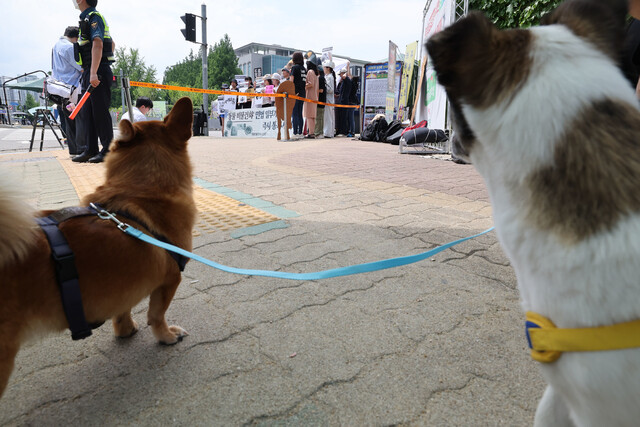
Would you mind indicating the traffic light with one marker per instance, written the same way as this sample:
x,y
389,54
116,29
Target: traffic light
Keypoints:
x,y
189,31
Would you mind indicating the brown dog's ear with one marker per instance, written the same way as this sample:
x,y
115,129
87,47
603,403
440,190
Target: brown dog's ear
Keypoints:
x,y
600,22
127,133
180,119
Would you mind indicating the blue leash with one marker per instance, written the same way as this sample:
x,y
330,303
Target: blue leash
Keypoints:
x,y
325,274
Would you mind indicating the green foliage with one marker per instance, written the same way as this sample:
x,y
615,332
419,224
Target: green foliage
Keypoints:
x,y
133,66
514,14
222,66
223,63
187,72
172,95
30,102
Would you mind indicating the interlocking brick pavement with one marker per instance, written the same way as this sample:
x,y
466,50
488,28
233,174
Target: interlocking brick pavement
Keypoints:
x,y
439,342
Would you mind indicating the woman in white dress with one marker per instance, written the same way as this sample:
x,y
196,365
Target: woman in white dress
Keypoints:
x,y
329,116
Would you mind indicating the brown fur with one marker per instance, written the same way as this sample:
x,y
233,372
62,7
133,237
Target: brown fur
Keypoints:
x,y
593,180
464,55
288,87
601,23
149,176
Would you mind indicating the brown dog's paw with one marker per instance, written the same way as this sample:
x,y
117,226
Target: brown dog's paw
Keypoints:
x,y
173,335
124,326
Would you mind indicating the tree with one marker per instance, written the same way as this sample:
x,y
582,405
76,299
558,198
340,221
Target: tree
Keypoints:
x,y
223,63
187,72
514,14
222,66
30,102
173,95
132,64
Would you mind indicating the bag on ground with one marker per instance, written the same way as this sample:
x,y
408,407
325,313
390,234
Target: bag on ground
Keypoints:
x,y
423,135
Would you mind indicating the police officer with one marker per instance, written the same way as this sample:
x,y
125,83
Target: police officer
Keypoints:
x,y
95,54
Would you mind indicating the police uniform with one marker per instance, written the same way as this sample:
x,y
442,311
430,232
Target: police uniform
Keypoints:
x,y
95,113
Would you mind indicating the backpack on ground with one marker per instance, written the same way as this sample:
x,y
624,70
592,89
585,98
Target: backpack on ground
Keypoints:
x,y
393,133
375,130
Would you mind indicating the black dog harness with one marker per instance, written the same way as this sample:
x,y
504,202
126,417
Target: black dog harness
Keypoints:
x,y
65,265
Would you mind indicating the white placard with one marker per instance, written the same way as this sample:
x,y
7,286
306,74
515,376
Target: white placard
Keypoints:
x,y
251,123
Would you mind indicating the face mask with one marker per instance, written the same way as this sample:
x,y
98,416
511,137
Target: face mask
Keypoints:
x,y
75,4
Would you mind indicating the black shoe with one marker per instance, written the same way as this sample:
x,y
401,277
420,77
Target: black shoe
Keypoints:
x,y
82,158
98,158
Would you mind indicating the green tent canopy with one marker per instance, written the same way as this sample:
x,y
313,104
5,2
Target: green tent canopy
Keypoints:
x,y
31,85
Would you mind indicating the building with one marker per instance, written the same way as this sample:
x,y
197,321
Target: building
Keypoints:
x,y
257,59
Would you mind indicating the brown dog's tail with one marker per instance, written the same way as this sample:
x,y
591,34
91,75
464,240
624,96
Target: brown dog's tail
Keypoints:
x,y
17,226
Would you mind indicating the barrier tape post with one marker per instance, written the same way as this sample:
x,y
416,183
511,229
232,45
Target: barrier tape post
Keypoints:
x,y
286,119
127,92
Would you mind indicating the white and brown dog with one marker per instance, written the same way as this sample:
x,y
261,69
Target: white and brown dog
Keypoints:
x,y
553,126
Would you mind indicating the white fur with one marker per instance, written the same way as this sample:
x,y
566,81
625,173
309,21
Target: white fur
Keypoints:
x,y
595,282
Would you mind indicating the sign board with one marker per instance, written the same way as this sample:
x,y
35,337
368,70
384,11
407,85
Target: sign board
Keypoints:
x,y
251,123
375,90
432,104
391,84
227,103
407,78
257,72
327,54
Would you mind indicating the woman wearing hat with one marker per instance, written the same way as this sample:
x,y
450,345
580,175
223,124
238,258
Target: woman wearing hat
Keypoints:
x,y
330,87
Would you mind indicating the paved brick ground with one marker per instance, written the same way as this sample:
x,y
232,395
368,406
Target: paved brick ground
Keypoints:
x,y
435,343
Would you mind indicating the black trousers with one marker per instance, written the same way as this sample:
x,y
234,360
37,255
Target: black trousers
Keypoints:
x,y
342,121
94,116
72,129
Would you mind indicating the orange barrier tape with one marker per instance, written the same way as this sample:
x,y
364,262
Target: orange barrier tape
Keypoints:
x,y
323,103
226,92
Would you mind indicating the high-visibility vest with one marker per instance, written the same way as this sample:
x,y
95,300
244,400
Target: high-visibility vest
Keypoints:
x,y
85,43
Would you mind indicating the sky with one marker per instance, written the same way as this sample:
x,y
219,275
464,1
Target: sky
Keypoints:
x,y
355,28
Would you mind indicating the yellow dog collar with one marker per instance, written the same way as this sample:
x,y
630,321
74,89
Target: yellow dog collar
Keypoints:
x,y
547,343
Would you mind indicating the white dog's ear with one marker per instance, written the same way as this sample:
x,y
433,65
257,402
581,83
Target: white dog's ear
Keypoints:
x,y
478,64
602,23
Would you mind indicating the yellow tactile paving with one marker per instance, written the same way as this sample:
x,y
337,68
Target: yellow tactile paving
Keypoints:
x,y
215,211
218,212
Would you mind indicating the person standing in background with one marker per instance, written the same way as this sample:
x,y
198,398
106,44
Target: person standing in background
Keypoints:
x,y
330,87
353,100
299,76
95,55
310,109
250,89
344,91
322,97
65,68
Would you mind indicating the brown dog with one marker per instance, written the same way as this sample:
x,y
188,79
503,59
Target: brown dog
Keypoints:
x,y
149,178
